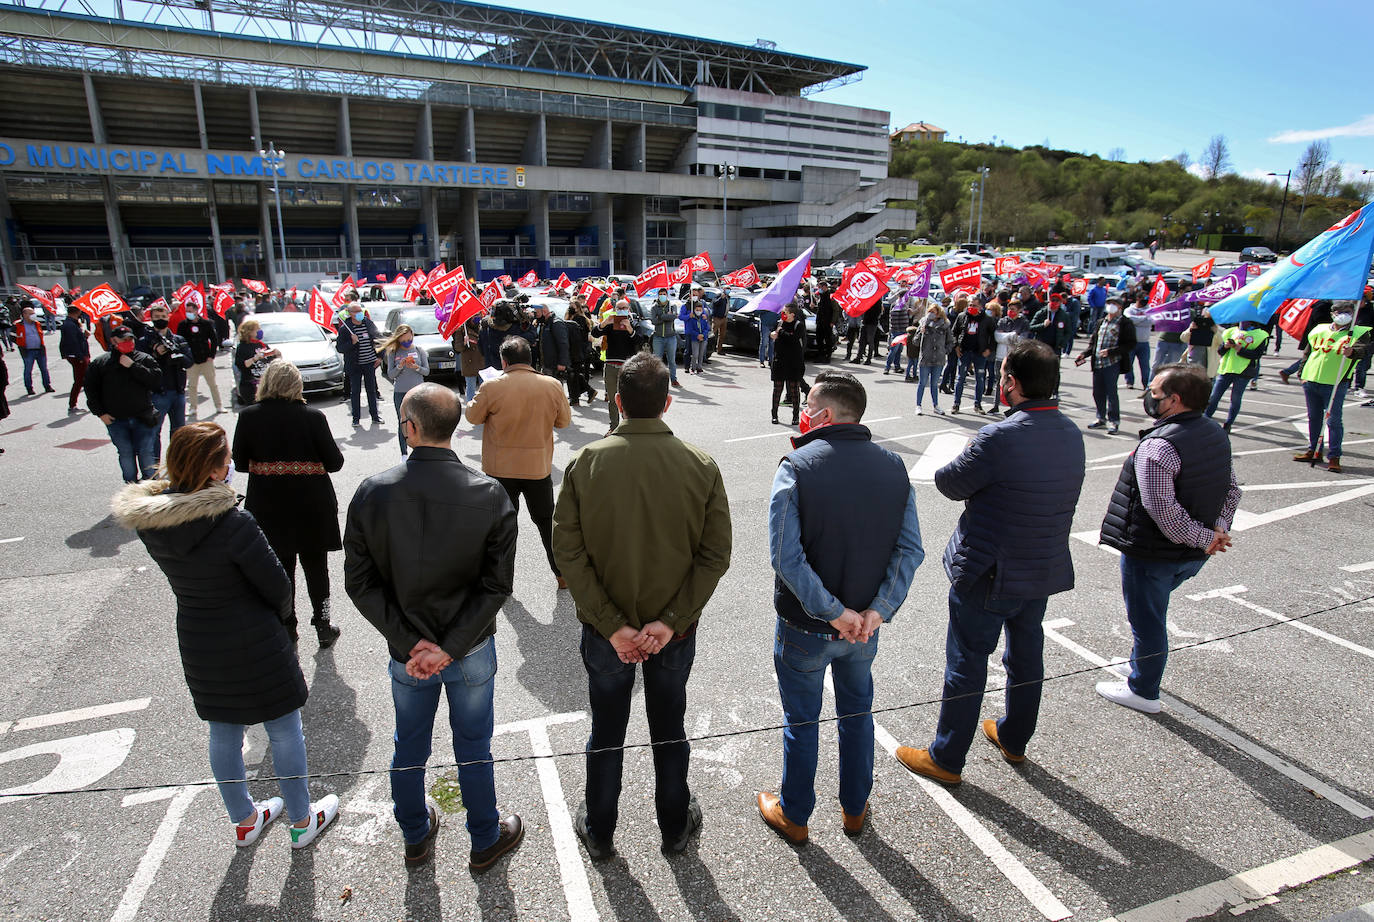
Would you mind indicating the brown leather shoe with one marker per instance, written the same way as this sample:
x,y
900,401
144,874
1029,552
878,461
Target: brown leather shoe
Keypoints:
x,y
512,831
1309,455
1335,465
854,825
562,583
920,762
770,808
990,731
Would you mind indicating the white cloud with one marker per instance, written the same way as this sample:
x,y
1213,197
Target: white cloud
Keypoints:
x,y
1198,170
1261,175
1363,128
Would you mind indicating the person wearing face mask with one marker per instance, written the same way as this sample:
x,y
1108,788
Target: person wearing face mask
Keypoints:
x,y
1333,351
696,325
843,562
664,318
203,337
1110,349
1019,481
232,597
1011,328
1241,346
1172,508
75,347
29,336
173,356
407,366
251,356
973,344
357,343
119,388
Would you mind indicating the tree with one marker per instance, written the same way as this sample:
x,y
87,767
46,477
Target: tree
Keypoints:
x,y
1311,174
1216,158
1182,159
1116,153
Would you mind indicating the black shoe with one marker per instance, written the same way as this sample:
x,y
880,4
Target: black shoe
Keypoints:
x,y
693,825
1100,424
30,392
417,853
49,390
1226,427
795,420
512,831
326,633
775,420
596,849
591,396
574,403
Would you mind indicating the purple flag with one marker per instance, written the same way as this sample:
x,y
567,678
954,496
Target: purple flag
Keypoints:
x,y
920,286
784,287
1176,316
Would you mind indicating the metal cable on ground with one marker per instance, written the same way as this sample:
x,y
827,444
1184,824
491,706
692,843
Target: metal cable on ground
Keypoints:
x,y
724,734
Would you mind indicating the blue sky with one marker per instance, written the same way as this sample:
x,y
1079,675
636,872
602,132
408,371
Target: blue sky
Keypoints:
x,y
1150,78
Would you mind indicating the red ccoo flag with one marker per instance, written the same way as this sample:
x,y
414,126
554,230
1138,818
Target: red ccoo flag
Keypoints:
x,y
1294,314
1203,269
591,293
101,301
963,277
440,285
656,276
320,310
255,286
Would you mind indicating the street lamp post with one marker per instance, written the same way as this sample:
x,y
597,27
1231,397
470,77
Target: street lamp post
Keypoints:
x,y
727,172
971,188
1278,231
274,159
982,183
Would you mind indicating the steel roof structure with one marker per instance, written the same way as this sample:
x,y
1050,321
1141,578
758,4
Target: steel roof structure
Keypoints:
x,y
447,39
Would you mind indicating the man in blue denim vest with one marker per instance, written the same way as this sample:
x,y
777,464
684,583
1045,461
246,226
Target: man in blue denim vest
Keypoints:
x,y
842,570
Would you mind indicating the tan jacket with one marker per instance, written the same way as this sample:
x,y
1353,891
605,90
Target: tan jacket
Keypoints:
x,y
520,410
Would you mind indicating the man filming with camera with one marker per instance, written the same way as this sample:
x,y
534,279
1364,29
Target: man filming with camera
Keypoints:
x,y
173,357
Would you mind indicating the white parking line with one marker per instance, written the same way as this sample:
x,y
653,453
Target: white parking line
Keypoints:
x,y
10,540
1279,764
1253,887
66,717
1039,896
1247,520
570,867
1265,451
152,858
917,435
1260,425
1359,567
1232,594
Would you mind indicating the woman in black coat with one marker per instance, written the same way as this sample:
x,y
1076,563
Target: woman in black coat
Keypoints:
x,y
232,601
288,453
789,360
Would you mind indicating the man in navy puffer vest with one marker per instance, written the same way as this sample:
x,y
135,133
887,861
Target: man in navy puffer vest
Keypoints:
x,y
1019,480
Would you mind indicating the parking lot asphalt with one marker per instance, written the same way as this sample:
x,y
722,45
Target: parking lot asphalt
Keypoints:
x,y
1253,789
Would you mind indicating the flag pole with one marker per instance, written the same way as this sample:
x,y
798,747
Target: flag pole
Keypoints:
x,y
1331,402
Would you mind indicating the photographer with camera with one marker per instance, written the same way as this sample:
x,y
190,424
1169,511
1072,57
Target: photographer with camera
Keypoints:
x,y
173,357
618,332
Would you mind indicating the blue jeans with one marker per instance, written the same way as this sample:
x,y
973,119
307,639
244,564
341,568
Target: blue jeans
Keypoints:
x,y
470,685
470,385
894,357
800,660
136,444
1105,395
1139,356
288,758
610,684
665,347
1145,587
357,377
767,322
966,361
976,619
169,405
1318,396
32,357
1167,354
1236,383
930,377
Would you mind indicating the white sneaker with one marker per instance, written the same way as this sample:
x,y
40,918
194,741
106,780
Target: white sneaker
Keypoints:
x,y
322,813
918,411
246,834
1120,693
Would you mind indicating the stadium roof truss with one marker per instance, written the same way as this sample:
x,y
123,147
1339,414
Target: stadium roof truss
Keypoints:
x,y
411,31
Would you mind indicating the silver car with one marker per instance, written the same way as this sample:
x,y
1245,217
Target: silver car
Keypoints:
x,y
437,349
307,345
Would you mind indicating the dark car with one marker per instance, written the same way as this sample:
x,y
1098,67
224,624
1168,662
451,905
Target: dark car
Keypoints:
x,y
742,329
1258,255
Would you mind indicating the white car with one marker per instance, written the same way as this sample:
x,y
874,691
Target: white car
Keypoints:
x,y
307,345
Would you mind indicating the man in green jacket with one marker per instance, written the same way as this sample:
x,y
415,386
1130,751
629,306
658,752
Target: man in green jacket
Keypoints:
x,y
641,534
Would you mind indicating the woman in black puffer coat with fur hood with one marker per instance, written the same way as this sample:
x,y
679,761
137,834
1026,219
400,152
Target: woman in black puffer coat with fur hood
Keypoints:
x,y
232,601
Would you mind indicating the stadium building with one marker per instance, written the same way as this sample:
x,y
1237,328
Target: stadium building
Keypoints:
x,y
403,132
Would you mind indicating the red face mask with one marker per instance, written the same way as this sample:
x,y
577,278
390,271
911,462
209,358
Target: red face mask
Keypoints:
x,y
805,423
973,312
125,346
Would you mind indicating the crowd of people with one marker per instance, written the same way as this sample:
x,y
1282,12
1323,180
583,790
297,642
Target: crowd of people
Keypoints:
x,y
429,544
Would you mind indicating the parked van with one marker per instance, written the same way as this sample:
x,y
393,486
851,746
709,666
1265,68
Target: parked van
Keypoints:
x,y
1092,257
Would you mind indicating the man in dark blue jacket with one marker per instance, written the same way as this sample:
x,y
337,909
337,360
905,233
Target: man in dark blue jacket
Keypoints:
x,y
1019,480
844,560
173,357
75,347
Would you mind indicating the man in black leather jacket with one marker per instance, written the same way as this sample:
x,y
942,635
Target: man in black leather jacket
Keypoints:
x,y
429,558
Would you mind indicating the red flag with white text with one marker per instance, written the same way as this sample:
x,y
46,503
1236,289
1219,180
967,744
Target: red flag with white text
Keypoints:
x,y
683,273
43,297
1079,287
255,286
223,301
787,262
656,276
1005,265
744,278
415,285
1159,292
701,262
1203,269
963,277
56,291
1294,314
101,301
528,280
320,311
563,282
491,293
591,293
344,290
859,289
439,286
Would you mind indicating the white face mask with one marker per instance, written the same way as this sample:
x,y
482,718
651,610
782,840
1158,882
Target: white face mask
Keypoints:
x,y
1342,319
229,474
